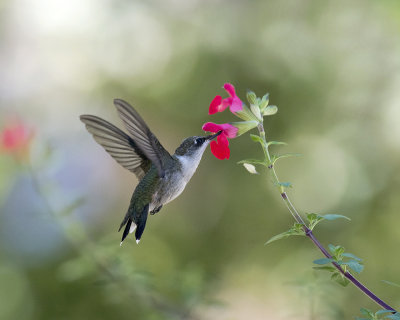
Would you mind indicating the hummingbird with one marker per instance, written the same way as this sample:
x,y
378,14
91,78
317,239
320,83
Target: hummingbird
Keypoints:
x,y
162,176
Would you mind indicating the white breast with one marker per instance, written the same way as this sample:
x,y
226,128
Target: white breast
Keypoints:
x,y
189,166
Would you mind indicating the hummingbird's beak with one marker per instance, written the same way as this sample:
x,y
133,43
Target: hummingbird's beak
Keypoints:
x,y
213,136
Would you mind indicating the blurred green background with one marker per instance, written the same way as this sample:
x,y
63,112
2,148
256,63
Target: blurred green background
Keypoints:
x,y
331,67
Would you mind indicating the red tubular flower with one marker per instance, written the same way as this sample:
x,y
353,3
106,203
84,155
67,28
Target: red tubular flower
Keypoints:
x,y
218,104
220,148
15,138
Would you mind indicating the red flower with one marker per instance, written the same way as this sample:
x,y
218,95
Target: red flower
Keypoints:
x,y
218,104
15,138
220,148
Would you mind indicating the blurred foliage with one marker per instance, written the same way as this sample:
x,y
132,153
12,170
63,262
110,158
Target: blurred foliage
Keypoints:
x,y
330,67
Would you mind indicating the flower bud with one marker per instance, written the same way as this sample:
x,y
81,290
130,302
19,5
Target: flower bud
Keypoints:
x,y
256,111
250,168
264,102
270,110
251,97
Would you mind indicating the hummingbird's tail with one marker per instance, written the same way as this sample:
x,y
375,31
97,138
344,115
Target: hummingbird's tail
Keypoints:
x,y
138,223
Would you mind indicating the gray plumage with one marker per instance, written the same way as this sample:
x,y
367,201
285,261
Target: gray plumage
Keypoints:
x,y
162,177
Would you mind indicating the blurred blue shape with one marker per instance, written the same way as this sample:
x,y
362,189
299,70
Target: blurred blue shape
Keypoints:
x,y
28,231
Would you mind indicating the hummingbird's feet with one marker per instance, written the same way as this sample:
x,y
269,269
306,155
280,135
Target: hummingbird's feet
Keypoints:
x,y
155,210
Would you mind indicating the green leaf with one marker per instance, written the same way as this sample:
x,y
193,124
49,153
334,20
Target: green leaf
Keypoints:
x,y
325,268
296,230
331,217
336,251
395,316
391,283
270,110
354,265
340,278
256,138
367,312
323,261
352,256
285,155
383,311
276,143
313,220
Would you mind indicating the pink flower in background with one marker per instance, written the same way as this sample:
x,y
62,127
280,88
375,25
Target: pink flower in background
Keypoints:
x,y
220,148
15,138
218,104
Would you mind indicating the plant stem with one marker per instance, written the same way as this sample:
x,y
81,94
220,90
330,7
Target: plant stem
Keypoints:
x,y
308,232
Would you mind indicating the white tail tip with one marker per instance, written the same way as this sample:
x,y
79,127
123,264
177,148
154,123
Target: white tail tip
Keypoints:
x,y
137,241
120,244
132,228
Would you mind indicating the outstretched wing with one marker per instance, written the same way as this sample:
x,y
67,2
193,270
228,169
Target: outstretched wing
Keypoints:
x,y
143,137
118,144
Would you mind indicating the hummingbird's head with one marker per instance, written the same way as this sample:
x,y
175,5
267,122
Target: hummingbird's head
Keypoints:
x,y
193,147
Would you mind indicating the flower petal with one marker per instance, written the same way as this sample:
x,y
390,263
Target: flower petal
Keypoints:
x,y
229,130
220,148
230,89
211,127
216,105
236,105
14,137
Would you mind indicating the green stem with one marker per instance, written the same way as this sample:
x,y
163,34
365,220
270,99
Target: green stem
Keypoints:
x,y
308,231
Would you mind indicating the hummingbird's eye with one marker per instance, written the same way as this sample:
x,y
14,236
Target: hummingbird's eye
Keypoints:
x,y
199,141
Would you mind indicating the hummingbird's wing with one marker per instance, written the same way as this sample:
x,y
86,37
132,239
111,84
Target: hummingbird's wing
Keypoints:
x,y
118,144
143,137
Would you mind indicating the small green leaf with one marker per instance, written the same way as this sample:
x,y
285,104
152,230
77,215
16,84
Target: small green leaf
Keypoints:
x,y
331,217
352,256
325,268
340,278
323,261
313,219
285,155
367,312
391,283
383,311
354,265
270,110
395,316
276,143
336,251
256,138
296,230
250,168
